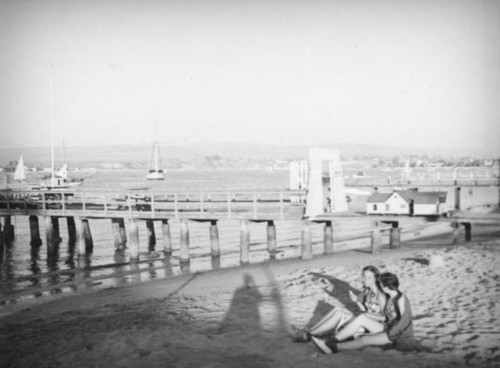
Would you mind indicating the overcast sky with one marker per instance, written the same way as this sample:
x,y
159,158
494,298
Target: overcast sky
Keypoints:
x,y
397,73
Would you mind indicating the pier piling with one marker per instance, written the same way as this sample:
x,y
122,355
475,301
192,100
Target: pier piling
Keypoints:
x,y
306,241
34,231
89,243
150,225
8,229
49,234
468,231
70,221
117,234
184,250
376,240
271,239
394,238
55,229
455,239
80,237
244,242
167,240
123,231
214,239
457,198
133,234
328,237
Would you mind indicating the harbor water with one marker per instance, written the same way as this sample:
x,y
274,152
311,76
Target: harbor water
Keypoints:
x,y
29,272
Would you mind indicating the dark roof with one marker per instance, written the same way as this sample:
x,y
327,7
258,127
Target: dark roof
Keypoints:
x,y
410,195
378,197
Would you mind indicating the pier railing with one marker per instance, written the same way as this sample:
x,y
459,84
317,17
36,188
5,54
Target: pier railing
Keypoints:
x,y
179,205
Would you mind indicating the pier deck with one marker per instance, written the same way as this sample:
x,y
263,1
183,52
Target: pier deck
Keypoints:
x,y
286,205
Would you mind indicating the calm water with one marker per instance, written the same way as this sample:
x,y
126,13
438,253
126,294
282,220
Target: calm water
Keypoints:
x,y
27,272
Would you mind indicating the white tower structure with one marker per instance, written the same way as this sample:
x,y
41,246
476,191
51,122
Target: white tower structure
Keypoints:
x,y
299,174
315,196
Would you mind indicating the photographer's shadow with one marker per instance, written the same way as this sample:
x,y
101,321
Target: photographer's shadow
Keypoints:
x,y
243,313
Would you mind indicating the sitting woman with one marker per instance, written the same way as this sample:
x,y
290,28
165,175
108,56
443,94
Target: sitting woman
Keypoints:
x,y
371,302
396,330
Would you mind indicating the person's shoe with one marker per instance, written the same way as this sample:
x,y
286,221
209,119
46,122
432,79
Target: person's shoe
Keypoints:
x,y
321,345
300,335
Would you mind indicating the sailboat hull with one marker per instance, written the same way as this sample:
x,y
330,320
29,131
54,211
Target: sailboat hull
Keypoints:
x,y
155,175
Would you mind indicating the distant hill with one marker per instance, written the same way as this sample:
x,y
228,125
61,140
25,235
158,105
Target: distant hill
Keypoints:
x,y
8,144
137,156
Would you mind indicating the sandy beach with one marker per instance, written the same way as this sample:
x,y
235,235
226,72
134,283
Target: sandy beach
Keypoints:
x,y
239,317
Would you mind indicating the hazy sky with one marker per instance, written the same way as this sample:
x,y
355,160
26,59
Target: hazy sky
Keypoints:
x,y
398,73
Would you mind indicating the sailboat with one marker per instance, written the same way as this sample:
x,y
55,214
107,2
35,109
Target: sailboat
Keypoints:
x,y
58,180
154,171
20,173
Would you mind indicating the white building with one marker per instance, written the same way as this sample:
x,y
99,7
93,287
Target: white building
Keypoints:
x,y
407,202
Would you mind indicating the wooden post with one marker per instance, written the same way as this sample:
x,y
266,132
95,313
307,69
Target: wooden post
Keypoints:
x,y
49,234
80,236
8,229
328,237
468,231
176,206
457,198
229,215
84,197
282,213
184,250
150,225
89,243
214,239
455,240
376,240
202,209
167,240
254,205
70,222
395,236
117,234
34,231
306,241
271,239
55,229
244,243
215,263
123,231
133,235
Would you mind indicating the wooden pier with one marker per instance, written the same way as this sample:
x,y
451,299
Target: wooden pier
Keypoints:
x,y
126,210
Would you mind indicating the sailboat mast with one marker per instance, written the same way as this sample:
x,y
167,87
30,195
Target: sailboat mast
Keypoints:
x,y
52,120
157,154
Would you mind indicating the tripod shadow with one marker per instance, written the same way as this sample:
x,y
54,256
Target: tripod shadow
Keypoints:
x,y
243,313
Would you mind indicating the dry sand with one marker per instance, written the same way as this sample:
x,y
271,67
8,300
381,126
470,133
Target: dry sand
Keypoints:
x,y
239,317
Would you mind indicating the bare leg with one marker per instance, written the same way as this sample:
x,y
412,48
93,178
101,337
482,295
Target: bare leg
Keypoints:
x,y
378,339
360,321
327,323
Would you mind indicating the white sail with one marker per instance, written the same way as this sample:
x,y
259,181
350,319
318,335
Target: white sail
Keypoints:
x,y
154,171
63,172
20,173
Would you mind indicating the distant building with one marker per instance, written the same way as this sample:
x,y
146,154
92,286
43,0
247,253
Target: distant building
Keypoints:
x,y
407,202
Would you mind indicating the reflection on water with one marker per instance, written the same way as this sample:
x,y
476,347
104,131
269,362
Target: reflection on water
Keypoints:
x,y
119,259
24,267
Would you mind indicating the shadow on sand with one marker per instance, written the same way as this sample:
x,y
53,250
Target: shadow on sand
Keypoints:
x,y
243,314
340,291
